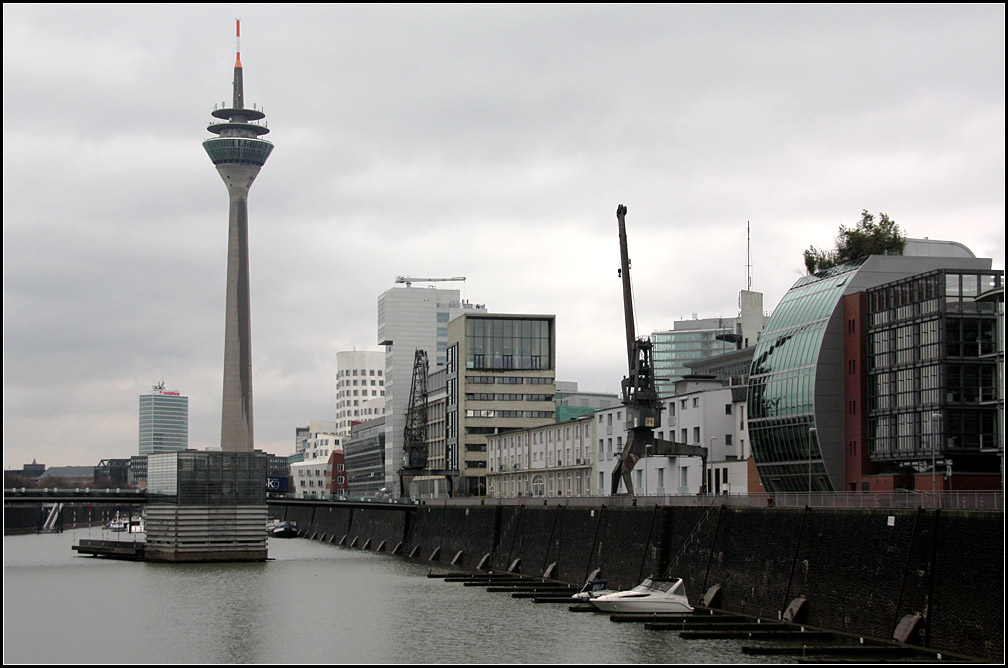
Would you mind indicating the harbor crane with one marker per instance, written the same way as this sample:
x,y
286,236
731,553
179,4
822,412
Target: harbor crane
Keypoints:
x,y
410,280
640,396
415,454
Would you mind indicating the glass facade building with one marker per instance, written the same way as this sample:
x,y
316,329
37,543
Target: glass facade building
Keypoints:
x,y
164,421
690,340
201,478
781,399
508,343
933,378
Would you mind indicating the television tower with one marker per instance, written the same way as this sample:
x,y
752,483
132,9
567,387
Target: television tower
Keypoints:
x,y
239,154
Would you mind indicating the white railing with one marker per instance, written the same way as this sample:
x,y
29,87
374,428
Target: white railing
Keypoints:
x,y
989,501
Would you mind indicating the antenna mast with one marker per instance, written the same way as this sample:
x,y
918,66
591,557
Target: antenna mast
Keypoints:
x,y
748,261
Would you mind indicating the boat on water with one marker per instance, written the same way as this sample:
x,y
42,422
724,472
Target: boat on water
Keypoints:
x,y
285,530
651,595
593,589
125,523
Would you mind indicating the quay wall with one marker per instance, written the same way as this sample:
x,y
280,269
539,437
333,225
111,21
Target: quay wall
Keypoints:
x,y
29,518
860,571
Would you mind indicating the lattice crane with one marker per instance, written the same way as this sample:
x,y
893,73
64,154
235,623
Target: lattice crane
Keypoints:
x,y
415,455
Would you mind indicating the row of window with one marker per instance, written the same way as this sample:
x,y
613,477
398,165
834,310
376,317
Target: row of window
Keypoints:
x,y
490,396
509,380
353,372
491,413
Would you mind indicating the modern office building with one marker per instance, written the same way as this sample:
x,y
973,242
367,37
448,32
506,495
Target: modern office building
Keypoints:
x,y
360,387
364,457
698,339
164,421
804,396
411,318
933,407
238,153
500,377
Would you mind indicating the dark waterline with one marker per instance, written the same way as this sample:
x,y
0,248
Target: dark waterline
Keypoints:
x,y
312,603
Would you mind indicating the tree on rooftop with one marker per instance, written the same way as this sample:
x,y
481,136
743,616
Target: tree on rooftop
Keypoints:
x,y
866,238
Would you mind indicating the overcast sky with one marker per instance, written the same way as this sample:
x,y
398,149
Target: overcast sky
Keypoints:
x,y
492,142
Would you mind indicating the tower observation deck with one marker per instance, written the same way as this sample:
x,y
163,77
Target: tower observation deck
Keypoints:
x,y
239,153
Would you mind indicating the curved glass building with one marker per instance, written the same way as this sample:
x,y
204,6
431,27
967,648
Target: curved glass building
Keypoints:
x,y
797,403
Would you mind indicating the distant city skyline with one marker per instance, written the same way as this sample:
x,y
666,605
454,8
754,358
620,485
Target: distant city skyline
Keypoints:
x,y
493,142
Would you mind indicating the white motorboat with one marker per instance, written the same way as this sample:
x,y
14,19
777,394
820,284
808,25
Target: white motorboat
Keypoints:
x,y
285,530
593,589
126,523
652,595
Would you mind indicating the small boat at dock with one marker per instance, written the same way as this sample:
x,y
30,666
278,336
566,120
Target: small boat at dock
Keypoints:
x,y
651,595
285,530
593,589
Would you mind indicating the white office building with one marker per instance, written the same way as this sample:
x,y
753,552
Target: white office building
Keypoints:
x,y
554,460
410,318
704,412
360,387
312,473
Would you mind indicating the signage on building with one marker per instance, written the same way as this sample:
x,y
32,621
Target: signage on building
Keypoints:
x,y
276,484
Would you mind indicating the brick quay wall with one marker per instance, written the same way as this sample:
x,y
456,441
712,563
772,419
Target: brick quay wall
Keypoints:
x,y
859,570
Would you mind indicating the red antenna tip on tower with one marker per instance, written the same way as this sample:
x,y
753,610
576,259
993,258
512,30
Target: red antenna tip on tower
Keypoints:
x,y
237,42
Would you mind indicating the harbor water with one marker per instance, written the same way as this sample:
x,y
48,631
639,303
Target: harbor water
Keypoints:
x,y
310,603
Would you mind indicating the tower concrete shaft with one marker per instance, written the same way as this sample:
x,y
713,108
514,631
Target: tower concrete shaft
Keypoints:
x,y
239,154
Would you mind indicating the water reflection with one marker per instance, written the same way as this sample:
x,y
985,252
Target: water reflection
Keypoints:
x,y
312,603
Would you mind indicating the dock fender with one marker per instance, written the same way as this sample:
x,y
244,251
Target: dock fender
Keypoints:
x,y
796,611
712,598
909,629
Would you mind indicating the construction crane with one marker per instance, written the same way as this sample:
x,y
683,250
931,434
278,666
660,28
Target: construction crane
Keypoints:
x,y
410,280
415,431
640,396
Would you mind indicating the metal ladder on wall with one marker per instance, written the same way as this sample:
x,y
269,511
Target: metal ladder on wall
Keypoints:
x,y
693,534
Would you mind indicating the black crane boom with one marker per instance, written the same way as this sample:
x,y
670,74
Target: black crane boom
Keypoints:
x,y
640,395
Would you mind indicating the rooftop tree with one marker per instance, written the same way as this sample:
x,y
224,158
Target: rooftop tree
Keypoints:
x,y
866,238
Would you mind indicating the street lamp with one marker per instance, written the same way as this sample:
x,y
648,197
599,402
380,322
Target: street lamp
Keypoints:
x,y
811,434
936,425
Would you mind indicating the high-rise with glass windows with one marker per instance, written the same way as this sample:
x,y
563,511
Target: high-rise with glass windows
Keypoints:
x,y
164,421
410,318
